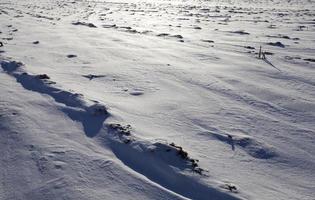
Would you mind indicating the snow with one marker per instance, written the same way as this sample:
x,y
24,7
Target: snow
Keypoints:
x,y
142,99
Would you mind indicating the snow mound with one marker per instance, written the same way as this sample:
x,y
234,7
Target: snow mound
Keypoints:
x,y
90,113
250,145
166,164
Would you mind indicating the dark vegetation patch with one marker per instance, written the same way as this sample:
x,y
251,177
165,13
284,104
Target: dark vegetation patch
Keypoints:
x,y
91,25
208,41
184,155
276,44
42,76
241,32
249,47
230,187
120,129
309,59
71,56
92,76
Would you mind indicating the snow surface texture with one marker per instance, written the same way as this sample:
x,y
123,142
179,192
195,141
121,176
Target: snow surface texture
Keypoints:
x,y
142,99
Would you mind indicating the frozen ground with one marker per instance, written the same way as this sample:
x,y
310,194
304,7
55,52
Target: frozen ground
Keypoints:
x,y
142,99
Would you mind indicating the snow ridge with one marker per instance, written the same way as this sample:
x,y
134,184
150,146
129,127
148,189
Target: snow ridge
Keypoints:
x,y
165,164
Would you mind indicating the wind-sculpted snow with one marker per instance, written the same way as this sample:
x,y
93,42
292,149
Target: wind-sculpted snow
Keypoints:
x,y
249,145
165,164
90,113
163,99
